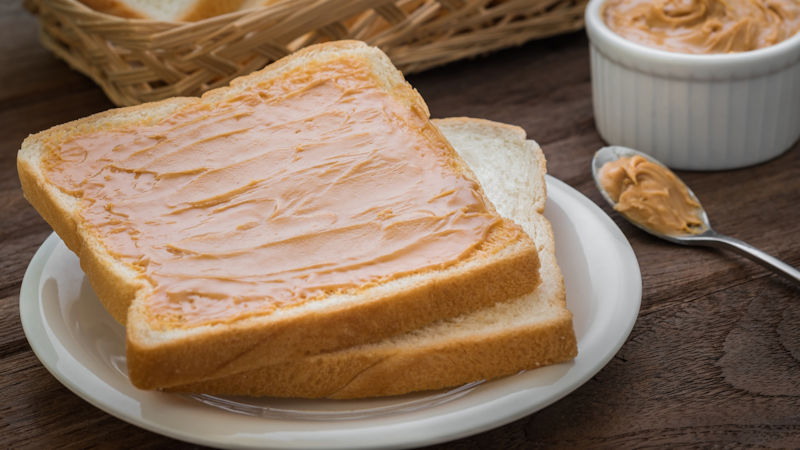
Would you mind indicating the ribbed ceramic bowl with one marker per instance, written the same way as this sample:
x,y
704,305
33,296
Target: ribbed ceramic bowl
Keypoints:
x,y
694,112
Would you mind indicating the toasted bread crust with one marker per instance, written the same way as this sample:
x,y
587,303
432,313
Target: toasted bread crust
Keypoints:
x,y
159,358
491,343
382,374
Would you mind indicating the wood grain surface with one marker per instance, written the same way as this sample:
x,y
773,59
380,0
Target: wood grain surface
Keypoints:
x,y
714,357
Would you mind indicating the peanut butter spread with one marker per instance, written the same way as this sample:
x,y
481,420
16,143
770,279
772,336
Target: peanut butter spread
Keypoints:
x,y
651,195
704,26
314,183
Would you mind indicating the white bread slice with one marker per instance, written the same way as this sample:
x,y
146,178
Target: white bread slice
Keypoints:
x,y
504,266
165,10
529,332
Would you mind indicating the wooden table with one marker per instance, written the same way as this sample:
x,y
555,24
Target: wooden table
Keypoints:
x,y
713,360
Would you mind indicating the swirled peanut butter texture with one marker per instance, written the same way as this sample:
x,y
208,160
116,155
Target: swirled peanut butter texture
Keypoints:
x,y
317,183
704,26
651,195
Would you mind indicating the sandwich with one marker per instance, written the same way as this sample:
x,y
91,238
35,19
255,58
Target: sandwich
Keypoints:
x,y
307,208
530,331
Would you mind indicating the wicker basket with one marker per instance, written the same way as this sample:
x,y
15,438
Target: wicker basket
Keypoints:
x,y
135,61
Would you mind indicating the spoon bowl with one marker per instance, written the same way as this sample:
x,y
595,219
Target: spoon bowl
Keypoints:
x,y
615,152
705,235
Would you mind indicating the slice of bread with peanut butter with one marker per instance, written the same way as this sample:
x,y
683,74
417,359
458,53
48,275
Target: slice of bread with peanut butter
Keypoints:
x,y
309,207
528,332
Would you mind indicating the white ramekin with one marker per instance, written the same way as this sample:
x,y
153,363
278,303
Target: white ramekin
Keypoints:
x,y
694,112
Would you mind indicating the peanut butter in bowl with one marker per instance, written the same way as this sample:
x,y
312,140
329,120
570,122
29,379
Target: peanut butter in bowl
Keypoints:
x,y
703,26
697,84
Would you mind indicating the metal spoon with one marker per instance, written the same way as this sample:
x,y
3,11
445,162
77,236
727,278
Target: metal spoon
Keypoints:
x,y
709,237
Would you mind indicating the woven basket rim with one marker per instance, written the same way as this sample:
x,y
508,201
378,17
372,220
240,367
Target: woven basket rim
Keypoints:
x,y
136,60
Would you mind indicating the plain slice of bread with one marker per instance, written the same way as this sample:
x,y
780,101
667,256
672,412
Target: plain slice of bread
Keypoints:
x,y
529,332
165,10
503,266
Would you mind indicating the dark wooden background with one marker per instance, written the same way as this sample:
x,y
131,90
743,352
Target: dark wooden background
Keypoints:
x,y
713,360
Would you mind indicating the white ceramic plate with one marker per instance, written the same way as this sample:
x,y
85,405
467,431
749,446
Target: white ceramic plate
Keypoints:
x,y
82,346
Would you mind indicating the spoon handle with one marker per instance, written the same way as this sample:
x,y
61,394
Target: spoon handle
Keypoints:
x,y
745,249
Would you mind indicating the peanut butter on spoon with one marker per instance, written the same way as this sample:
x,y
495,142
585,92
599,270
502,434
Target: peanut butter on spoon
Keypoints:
x,y
651,195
